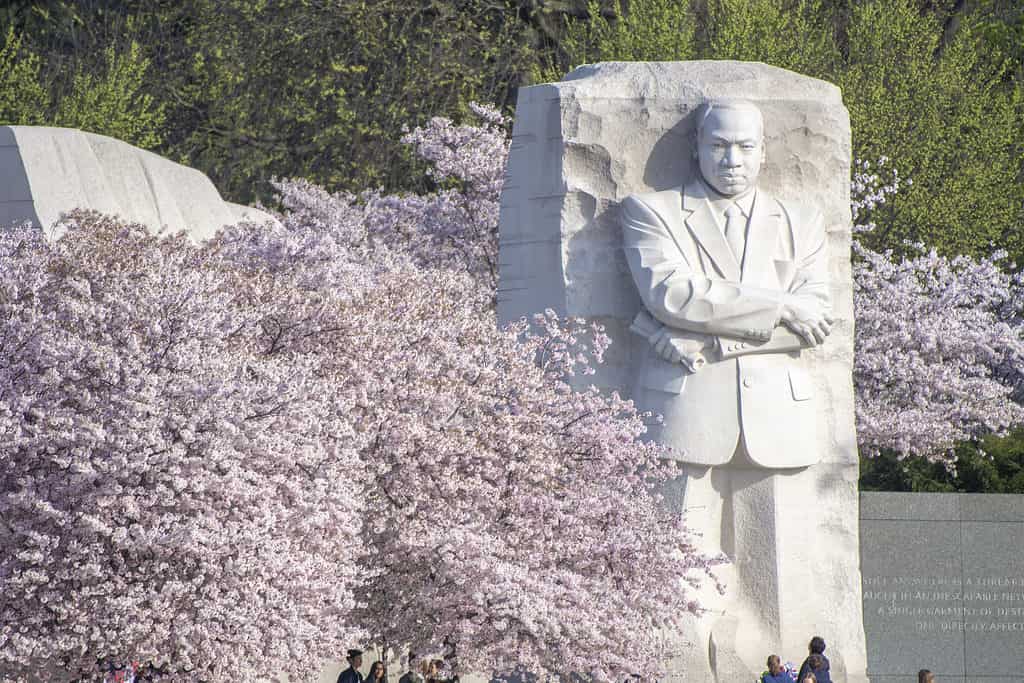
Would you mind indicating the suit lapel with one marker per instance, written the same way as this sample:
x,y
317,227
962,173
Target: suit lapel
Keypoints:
x,y
762,237
696,213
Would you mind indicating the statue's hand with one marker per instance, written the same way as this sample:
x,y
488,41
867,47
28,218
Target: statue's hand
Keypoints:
x,y
677,346
807,316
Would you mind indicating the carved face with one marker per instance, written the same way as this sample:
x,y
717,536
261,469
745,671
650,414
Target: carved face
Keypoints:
x,y
730,150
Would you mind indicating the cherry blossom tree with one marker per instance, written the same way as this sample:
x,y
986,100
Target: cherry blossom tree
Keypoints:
x,y
939,340
173,482
233,459
510,522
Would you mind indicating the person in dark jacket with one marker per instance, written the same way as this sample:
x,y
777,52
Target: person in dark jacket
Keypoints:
x,y
815,647
351,674
414,674
818,668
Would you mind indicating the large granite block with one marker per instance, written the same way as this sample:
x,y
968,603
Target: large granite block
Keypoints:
x,y
582,150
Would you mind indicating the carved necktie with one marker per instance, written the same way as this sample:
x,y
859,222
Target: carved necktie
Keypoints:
x,y
735,229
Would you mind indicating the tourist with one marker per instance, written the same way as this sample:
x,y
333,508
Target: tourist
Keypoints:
x,y
819,668
776,673
412,675
376,674
351,674
815,647
436,666
925,676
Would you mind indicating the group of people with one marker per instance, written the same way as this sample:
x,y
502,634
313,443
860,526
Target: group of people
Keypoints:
x,y
815,668
419,671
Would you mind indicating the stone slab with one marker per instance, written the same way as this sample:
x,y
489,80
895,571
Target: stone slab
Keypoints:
x,y
45,172
910,506
943,585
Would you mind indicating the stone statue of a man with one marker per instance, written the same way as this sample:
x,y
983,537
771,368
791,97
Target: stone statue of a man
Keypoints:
x,y
734,284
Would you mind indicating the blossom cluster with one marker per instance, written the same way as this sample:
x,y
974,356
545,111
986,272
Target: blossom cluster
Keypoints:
x,y
870,188
939,343
168,470
932,342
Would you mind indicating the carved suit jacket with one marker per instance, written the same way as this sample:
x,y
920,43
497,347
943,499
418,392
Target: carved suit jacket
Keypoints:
x,y
755,390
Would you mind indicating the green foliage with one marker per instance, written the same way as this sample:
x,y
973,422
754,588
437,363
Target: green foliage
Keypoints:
x,y
23,100
797,36
945,114
114,102
652,30
996,465
105,96
323,90
933,90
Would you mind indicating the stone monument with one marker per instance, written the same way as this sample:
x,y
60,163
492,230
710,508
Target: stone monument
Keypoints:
x,y
45,172
700,211
943,586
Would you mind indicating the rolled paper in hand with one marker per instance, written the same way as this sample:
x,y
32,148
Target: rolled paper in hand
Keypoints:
x,y
689,350
693,360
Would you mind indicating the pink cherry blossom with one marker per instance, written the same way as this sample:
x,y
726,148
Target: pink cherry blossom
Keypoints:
x,y
238,458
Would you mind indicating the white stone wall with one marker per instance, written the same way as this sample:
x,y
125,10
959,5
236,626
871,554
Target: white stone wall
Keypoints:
x,y
45,172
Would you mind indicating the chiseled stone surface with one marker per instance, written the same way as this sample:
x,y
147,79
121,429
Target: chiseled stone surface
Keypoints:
x,y
611,130
45,172
943,586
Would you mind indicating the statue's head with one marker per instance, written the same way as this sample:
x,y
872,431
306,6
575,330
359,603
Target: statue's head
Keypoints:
x,y
730,145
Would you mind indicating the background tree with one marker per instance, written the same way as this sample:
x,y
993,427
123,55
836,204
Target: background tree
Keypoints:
x,y
923,84
107,97
250,91
23,99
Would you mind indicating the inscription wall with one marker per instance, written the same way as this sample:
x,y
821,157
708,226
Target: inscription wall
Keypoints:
x,y
943,586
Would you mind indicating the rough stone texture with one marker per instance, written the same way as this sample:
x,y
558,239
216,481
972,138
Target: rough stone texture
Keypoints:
x,y
943,586
614,129
47,171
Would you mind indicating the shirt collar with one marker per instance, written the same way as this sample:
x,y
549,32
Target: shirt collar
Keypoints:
x,y
719,203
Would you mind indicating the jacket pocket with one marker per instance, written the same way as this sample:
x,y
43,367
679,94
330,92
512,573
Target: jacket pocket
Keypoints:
x,y
800,385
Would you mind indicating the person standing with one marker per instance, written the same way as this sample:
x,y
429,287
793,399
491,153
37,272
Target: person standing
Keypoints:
x,y
376,674
351,674
925,676
818,668
412,675
815,647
